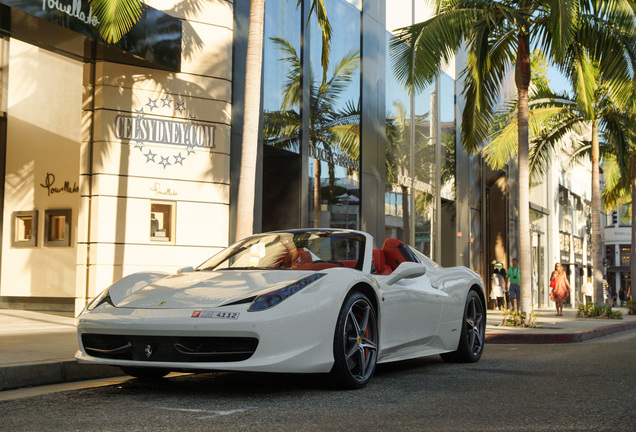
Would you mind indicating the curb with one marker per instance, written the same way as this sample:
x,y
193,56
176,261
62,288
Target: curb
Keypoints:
x,y
44,373
573,337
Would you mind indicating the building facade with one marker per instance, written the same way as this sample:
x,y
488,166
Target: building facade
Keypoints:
x,y
617,258
116,157
126,157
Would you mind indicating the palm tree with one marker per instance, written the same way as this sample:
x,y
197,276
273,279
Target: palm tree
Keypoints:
x,y
328,126
558,125
498,36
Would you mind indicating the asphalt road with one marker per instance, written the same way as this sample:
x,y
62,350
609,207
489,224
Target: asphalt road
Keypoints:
x,y
572,387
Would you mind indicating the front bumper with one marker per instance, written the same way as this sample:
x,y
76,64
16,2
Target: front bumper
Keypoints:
x,y
285,339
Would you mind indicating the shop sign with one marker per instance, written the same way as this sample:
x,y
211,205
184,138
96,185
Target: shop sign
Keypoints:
x,y
156,188
155,37
74,9
172,132
334,158
417,184
618,234
49,185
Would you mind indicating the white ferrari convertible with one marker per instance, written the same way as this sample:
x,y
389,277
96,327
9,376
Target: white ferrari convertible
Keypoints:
x,y
300,301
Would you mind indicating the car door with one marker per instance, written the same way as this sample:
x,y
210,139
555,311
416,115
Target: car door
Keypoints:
x,y
411,310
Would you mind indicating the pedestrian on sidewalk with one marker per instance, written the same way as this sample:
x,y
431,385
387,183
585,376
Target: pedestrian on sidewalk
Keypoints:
x,y
513,284
560,287
588,290
497,287
621,296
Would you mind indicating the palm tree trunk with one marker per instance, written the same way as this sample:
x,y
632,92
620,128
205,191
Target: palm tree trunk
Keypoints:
x,y
523,186
522,80
254,63
597,245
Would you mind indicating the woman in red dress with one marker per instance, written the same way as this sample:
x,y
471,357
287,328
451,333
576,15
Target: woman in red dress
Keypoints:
x,y
560,287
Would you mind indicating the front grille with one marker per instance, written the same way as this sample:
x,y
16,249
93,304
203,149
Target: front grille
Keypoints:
x,y
169,348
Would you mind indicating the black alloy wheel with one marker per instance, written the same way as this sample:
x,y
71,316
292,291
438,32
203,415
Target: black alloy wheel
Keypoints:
x,y
355,347
471,340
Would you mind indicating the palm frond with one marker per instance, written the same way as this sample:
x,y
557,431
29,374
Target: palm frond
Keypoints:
x,y
116,17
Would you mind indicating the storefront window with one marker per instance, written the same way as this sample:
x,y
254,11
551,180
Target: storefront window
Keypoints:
x,y
282,75
162,222
625,255
57,228
25,228
282,108
334,129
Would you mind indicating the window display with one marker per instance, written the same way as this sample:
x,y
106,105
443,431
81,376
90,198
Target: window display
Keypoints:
x,y
162,222
57,225
25,228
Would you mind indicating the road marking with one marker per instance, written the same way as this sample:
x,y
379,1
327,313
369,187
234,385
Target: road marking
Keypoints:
x,y
204,411
57,388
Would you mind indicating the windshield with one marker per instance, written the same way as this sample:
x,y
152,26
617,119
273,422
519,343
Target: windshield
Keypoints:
x,y
424,259
292,250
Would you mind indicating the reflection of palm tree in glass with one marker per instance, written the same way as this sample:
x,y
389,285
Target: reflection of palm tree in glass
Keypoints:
x,y
328,126
398,156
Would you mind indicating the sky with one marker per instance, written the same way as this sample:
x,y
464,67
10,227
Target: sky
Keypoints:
x,y
558,82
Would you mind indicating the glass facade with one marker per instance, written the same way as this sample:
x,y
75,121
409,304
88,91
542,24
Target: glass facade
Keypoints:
x,y
334,130
420,154
282,75
320,138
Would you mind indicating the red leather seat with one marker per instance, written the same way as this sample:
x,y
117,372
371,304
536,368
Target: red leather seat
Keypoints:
x,y
297,257
380,262
392,253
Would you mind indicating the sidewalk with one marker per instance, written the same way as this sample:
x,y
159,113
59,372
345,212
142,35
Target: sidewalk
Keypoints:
x,y
553,329
38,348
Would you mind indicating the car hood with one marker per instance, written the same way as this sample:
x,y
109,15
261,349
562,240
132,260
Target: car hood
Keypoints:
x,y
206,288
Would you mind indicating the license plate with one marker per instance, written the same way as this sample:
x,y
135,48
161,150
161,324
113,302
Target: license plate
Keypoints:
x,y
215,314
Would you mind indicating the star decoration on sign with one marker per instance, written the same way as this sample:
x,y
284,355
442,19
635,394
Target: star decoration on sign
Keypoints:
x,y
178,159
152,104
165,162
150,156
145,123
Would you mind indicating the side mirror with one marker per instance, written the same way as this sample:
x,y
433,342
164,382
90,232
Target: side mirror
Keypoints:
x,y
407,270
185,270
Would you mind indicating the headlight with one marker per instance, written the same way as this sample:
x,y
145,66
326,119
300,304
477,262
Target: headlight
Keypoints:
x,y
272,298
104,296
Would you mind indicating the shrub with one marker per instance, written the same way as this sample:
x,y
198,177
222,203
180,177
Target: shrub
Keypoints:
x,y
598,311
631,307
512,318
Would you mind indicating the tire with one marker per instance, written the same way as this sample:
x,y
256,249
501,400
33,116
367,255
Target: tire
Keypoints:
x,y
355,345
471,340
146,374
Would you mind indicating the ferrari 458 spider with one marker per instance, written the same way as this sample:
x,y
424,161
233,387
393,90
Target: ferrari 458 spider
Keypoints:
x,y
299,301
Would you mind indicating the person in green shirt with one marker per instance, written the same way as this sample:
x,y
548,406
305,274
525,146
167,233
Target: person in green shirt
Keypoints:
x,y
513,284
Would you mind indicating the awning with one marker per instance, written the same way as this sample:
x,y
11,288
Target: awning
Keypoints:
x,y
619,269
